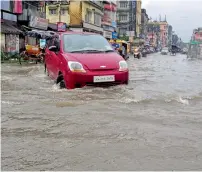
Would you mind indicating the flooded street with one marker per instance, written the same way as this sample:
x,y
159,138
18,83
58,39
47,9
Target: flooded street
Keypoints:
x,y
154,123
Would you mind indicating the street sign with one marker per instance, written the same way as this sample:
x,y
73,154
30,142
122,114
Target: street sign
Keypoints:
x,y
114,35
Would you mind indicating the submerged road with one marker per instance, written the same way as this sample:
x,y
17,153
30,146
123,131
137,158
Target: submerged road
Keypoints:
x,y
154,123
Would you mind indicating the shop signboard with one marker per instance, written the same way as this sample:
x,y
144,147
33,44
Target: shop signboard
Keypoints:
x,y
114,35
61,27
38,23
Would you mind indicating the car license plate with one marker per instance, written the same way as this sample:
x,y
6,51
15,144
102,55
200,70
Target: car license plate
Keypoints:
x,y
108,78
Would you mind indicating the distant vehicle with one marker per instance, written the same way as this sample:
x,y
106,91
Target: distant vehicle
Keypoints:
x,y
144,52
137,53
75,60
184,51
164,51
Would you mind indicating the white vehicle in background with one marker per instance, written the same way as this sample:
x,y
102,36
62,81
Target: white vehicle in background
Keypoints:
x,y
165,51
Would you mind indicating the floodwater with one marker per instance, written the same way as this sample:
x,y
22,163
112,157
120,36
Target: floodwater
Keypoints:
x,y
154,123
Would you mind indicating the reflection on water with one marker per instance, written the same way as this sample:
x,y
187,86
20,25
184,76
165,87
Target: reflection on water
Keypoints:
x,y
45,128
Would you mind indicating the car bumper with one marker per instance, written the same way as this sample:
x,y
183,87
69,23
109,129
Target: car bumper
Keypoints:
x,y
77,80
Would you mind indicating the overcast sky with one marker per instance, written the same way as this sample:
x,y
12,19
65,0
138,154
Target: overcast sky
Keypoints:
x,y
183,15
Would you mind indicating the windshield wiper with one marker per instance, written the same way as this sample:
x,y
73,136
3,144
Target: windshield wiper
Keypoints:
x,y
108,51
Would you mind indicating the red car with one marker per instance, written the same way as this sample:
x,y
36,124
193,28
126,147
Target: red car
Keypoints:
x,y
78,59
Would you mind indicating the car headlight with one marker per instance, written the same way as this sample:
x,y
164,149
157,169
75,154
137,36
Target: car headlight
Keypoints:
x,y
76,66
123,66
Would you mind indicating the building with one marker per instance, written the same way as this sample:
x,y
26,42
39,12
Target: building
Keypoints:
x,y
126,19
109,19
11,33
138,17
33,16
153,34
86,16
197,34
164,33
57,11
144,22
170,33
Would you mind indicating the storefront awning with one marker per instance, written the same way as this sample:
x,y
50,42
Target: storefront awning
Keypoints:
x,y
9,28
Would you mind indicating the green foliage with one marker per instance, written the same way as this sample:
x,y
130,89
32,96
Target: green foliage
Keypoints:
x,y
9,56
124,37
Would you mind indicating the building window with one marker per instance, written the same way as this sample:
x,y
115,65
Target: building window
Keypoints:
x,y
63,11
123,17
88,16
97,19
123,4
52,11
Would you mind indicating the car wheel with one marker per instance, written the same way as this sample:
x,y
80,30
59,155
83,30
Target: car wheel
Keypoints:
x,y
62,84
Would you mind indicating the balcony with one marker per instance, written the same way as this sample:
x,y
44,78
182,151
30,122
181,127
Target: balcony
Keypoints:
x,y
97,4
123,9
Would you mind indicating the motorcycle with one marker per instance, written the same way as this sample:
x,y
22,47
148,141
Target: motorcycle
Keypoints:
x,y
144,53
137,53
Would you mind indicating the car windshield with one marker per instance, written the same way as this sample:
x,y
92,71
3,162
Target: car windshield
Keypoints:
x,y
84,42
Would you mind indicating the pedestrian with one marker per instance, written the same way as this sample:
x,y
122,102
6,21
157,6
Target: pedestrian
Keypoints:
x,y
123,51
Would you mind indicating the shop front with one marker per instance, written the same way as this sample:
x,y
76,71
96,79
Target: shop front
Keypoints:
x,y
10,37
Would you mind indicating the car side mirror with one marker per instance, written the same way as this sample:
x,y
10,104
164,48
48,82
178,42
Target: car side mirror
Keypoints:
x,y
53,48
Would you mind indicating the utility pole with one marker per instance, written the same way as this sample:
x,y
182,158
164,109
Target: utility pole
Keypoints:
x,y
60,12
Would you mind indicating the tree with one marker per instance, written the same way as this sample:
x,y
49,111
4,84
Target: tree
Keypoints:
x,y
124,37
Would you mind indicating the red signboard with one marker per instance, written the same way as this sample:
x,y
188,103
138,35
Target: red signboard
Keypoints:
x,y
17,7
110,7
62,27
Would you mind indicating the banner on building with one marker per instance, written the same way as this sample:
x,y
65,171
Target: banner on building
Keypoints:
x,y
17,6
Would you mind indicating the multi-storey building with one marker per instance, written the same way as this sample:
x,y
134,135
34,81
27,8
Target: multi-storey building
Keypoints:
x,y
144,22
126,16
86,16
153,36
164,33
138,17
58,11
170,33
109,19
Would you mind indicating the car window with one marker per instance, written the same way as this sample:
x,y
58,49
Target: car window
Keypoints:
x,y
78,42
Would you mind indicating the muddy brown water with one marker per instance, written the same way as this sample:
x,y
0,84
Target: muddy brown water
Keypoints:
x,y
154,123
